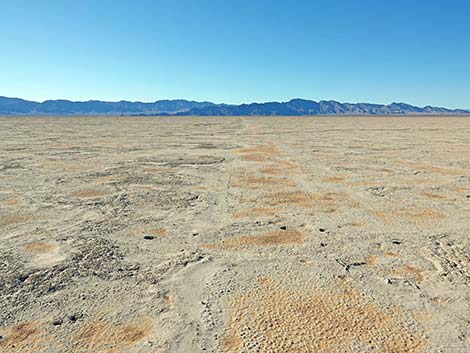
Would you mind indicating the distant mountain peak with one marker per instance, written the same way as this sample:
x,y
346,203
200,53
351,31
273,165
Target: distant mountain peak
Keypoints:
x,y
181,107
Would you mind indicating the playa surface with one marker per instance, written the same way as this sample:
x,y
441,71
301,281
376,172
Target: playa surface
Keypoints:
x,y
235,234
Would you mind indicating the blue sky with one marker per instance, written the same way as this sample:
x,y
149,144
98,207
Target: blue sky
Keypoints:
x,y
237,51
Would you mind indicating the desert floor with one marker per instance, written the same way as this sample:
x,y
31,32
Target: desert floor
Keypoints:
x,y
235,234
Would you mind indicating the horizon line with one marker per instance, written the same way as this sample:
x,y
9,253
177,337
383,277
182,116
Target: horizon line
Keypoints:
x,y
231,104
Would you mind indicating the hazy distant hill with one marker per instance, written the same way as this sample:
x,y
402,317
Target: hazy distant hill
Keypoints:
x,y
15,106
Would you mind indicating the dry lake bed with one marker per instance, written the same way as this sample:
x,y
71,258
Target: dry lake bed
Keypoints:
x,y
235,234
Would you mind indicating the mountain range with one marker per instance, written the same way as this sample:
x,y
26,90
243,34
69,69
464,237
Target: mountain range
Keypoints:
x,y
180,107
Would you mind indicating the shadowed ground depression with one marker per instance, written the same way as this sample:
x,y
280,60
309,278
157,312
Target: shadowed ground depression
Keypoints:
x,y
235,234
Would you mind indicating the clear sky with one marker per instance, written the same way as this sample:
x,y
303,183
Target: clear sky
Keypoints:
x,y
236,51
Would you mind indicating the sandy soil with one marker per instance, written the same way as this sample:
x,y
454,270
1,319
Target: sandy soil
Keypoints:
x,y
324,234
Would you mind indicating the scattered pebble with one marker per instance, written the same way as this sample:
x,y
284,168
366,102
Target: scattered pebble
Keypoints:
x,y
195,232
149,237
57,322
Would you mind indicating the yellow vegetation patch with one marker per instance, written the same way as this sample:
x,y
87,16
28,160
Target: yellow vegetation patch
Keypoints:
x,y
354,204
232,342
256,212
287,164
157,231
40,247
321,202
461,189
168,299
9,202
433,196
409,271
25,337
392,254
103,336
259,153
15,219
421,216
274,319
256,157
70,166
273,170
357,224
278,237
269,149
372,260
415,217
335,179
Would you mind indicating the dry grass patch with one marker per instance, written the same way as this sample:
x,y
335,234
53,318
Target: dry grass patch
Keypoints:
x,y
354,204
101,335
392,254
423,216
335,179
157,231
13,219
254,157
281,168
372,260
287,164
409,271
326,202
70,166
274,319
414,217
40,247
12,201
256,212
433,196
461,189
25,337
268,149
259,153
278,237
273,170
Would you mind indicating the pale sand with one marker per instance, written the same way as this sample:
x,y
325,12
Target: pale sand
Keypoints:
x,y
235,234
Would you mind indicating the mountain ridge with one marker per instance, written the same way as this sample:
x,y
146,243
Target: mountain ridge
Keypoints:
x,y
182,107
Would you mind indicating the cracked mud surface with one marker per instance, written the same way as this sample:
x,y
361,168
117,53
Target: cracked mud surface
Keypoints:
x,y
234,234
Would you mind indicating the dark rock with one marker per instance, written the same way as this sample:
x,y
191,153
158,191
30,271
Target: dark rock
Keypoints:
x,y
57,322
